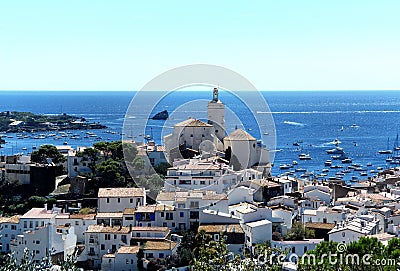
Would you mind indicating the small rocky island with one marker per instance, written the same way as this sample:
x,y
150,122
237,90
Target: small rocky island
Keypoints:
x,y
14,122
163,115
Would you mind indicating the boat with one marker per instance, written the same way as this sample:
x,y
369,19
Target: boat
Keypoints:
x,y
396,146
285,166
369,164
346,171
65,143
363,173
300,170
24,148
294,162
346,161
379,168
325,170
336,150
328,163
354,126
336,166
387,151
339,157
303,156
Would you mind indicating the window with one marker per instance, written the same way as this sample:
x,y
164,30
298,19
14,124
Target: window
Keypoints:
x,y
108,236
164,224
173,224
162,214
115,236
161,255
108,200
103,247
150,255
119,200
169,216
181,214
30,224
37,242
216,237
25,224
343,234
130,200
194,215
293,249
305,249
129,218
76,223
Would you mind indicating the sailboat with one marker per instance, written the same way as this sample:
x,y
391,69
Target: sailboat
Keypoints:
x,y
387,151
396,146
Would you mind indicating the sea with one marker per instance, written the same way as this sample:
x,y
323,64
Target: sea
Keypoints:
x,y
304,122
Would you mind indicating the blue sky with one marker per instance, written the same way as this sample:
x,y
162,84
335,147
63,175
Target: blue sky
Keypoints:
x,y
277,45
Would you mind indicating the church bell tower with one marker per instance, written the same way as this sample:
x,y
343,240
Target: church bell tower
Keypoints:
x,y
216,115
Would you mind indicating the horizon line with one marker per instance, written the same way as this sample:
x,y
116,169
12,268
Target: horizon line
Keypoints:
x,y
130,90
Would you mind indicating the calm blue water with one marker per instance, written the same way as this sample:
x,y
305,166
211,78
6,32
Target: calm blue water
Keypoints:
x,y
315,118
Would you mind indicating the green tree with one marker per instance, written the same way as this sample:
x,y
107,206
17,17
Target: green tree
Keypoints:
x,y
162,168
47,151
110,174
139,163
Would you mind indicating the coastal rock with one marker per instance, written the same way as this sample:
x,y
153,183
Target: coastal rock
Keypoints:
x,y
163,115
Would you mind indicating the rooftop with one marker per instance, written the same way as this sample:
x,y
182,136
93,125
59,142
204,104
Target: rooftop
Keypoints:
x,y
191,122
38,213
239,135
128,250
258,223
121,192
232,228
160,245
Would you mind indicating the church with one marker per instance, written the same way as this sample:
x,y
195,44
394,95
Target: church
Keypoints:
x,y
193,137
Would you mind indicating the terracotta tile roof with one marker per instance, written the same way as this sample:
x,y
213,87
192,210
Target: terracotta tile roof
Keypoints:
x,y
146,209
159,245
239,135
221,228
121,192
128,250
109,255
319,225
109,215
107,229
129,211
13,219
191,122
164,207
159,229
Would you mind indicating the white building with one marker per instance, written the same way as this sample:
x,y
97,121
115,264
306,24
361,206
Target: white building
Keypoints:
x,y
125,259
319,191
80,222
159,249
78,164
246,149
198,175
57,242
117,199
257,232
187,206
100,240
354,229
9,229
325,214
298,248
